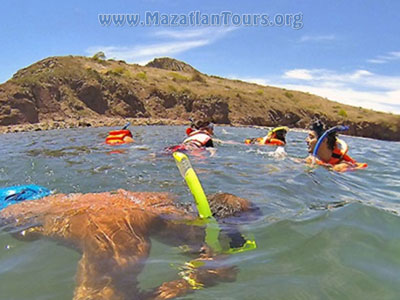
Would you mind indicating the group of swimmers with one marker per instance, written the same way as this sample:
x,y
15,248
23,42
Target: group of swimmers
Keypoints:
x,y
324,146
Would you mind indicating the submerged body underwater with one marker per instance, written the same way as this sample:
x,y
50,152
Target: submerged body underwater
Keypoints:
x,y
321,234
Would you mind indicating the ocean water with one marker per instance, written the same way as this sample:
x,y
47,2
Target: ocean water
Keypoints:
x,y
322,235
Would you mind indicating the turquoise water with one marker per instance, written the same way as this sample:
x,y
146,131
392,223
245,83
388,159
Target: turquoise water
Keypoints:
x,y
322,235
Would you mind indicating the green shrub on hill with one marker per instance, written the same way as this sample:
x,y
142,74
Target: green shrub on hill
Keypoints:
x,y
178,77
289,95
141,76
342,113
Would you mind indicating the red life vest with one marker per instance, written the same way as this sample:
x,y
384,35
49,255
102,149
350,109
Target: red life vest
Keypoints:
x,y
198,138
116,137
189,130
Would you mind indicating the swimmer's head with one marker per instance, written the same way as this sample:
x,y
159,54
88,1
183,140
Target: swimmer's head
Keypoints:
x,y
201,121
280,134
317,129
224,205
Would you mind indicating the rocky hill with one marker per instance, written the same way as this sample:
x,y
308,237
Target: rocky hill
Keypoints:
x,y
167,63
80,90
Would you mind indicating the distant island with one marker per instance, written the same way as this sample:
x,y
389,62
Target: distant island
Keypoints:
x,y
75,91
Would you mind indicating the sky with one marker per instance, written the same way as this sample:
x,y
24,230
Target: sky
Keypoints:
x,y
346,51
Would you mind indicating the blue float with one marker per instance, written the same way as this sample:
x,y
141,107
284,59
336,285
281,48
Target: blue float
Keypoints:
x,y
14,194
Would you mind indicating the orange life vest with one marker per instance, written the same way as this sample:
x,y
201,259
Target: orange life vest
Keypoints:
x,y
274,142
116,137
339,154
268,140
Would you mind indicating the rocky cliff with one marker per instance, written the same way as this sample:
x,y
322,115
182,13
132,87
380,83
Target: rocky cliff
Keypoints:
x,y
79,89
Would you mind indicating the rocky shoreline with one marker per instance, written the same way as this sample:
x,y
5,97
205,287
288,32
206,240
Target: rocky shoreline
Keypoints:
x,y
99,122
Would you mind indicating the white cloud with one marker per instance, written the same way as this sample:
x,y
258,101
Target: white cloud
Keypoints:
x,y
357,88
395,54
137,53
178,41
380,101
362,78
376,61
302,74
383,59
317,38
360,73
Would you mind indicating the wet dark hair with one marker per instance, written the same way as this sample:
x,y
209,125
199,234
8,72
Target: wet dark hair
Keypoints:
x,y
332,140
319,128
281,135
201,124
225,205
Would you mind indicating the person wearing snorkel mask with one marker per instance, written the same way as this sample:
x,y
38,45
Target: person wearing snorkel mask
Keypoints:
x,y
275,137
332,151
199,137
200,134
317,128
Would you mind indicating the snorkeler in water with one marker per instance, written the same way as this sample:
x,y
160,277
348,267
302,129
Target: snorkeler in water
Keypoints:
x,y
199,135
112,230
275,137
327,149
119,137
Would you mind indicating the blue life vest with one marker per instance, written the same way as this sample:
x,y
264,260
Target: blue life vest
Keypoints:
x,y
14,194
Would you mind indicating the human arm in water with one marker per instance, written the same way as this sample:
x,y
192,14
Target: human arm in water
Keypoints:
x,y
209,267
112,232
343,166
229,142
205,268
111,235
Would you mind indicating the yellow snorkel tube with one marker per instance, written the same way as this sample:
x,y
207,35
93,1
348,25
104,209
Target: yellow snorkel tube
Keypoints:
x,y
187,172
212,229
193,182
